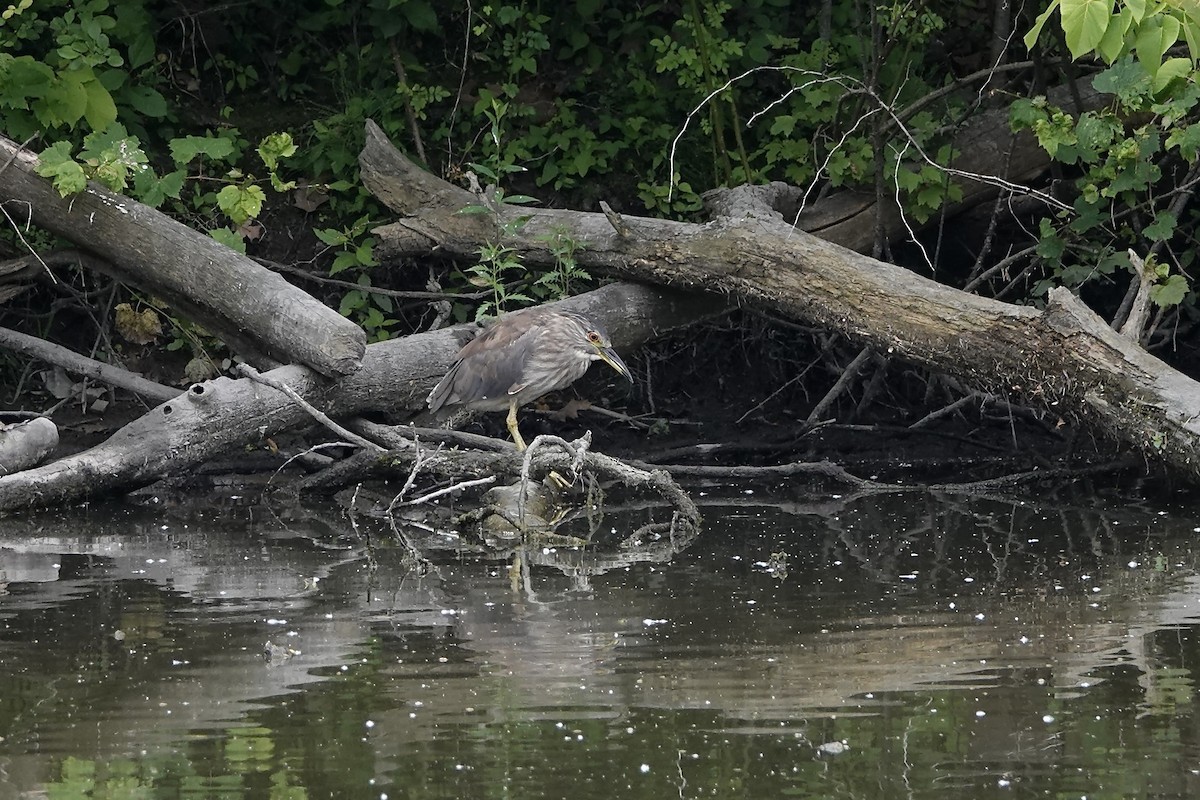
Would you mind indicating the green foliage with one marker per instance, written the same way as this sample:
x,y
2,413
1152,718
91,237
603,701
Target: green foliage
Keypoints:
x,y
110,157
66,63
1126,154
355,254
1143,29
496,266
567,275
571,102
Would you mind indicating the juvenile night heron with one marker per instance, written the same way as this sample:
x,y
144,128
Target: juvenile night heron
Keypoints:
x,y
522,356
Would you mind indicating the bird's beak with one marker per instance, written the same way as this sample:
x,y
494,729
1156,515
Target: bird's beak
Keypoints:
x,y
610,357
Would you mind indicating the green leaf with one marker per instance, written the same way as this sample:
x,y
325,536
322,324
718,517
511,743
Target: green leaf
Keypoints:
x,y
330,236
484,171
1050,245
1038,24
1170,70
783,125
420,15
1094,132
229,239
1025,113
351,302
1162,228
146,101
1125,79
189,147
153,190
1155,36
240,203
67,98
365,254
22,79
100,110
1187,140
1113,43
275,147
343,262
141,50
1084,23
66,174
113,156
1191,33
1170,292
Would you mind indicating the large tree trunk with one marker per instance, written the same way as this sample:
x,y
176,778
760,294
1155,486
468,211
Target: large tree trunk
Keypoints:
x,y
213,417
1064,358
253,310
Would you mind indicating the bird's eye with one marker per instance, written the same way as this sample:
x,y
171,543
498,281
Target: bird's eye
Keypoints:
x,y
593,337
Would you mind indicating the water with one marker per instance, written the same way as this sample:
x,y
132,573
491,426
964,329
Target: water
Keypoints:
x,y
875,646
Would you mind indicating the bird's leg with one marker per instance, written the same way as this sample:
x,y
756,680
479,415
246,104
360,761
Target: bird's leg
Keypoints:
x,y
512,426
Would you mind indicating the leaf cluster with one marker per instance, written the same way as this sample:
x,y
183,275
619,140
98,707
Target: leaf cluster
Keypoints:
x,y
1132,159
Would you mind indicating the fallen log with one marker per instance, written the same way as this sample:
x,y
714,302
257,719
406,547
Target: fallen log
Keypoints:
x,y
253,310
1063,358
42,350
213,417
25,441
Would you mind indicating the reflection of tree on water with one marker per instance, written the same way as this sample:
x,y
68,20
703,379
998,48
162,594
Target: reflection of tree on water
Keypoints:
x,y
882,595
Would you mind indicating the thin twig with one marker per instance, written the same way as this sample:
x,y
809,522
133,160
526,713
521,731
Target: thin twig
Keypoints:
x,y
16,229
458,487
320,416
71,361
415,129
403,294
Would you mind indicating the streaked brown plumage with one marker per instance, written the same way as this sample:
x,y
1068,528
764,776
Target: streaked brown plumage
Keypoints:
x,y
519,358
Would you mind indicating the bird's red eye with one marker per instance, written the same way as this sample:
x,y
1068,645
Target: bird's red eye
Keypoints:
x,y
593,337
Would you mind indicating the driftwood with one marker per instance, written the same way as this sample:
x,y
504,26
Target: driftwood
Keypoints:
x,y
253,310
1064,358
71,361
213,417
24,441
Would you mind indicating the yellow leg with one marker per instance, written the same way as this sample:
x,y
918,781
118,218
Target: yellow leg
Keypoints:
x,y
512,426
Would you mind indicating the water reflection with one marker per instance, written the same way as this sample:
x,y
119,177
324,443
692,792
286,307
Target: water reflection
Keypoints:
x,y
858,646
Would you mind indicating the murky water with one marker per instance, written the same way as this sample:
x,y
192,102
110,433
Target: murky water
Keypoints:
x,y
885,646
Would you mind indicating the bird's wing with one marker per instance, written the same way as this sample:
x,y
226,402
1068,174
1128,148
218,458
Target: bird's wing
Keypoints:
x,y
489,366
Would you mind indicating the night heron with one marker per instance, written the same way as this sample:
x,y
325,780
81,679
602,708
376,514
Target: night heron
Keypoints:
x,y
522,356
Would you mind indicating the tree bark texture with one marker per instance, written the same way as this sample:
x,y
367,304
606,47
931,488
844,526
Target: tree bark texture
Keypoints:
x,y
215,416
1064,358
253,310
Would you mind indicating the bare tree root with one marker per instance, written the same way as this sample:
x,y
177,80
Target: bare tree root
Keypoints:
x,y
548,483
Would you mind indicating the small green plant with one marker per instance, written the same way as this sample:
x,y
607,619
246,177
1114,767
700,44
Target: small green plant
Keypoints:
x,y
496,262
566,275
356,255
115,159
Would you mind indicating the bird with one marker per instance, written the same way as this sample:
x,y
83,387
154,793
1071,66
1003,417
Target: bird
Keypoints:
x,y
522,356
